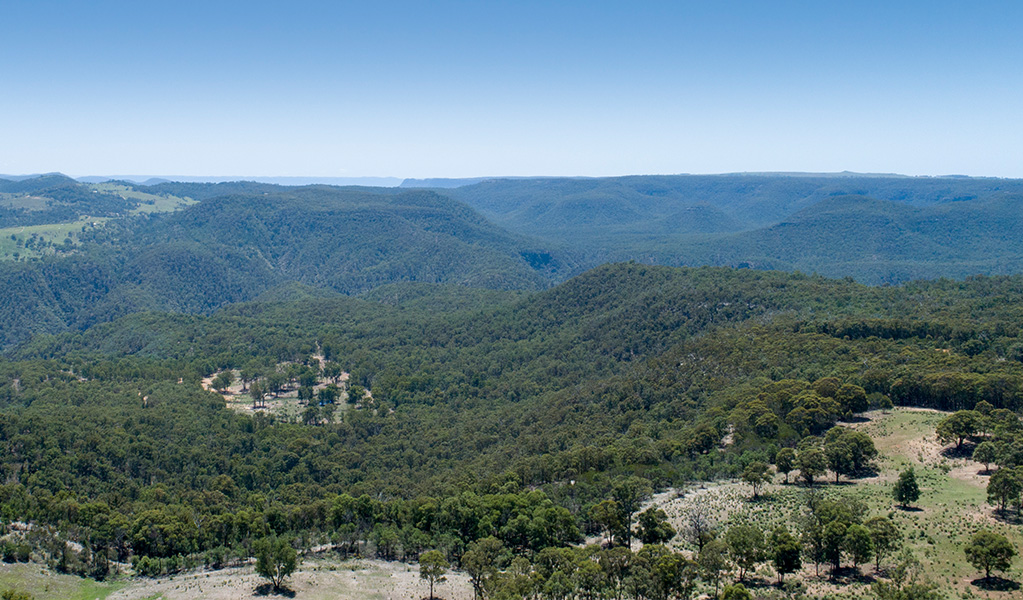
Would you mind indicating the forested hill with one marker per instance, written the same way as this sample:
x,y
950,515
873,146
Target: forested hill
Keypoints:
x,y
624,370
232,248
877,241
635,204
878,229
195,247
514,416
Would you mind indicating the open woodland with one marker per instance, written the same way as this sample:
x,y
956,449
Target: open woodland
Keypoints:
x,y
394,393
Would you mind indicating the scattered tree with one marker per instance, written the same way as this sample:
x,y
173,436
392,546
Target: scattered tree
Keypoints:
x,y
329,393
713,562
356,394
608,515
700,528
653,527
812,464
989,551
885,538
745,547
958,426
906,490
432,568
275,559
858,544
258,393
756,474
904,582
852,399
480,562
736,591
222,381
839,457
834,543
785,462
786,552
985,453
1005,487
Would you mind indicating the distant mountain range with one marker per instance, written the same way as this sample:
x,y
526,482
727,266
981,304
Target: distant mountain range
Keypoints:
x,y
244,239
197,246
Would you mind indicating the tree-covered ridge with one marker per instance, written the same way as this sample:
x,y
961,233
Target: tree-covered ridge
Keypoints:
x,y
244,238
877,241
233,248
747,201
653,375
354,239
876,229
609,347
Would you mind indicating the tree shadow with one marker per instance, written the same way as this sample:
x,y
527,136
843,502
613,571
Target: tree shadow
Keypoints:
x,y
266,589
867,471
910,508
849,575
855,419
996,584
753,581
964,451
1008,516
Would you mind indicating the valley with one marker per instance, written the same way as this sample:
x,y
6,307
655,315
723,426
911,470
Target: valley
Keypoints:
x,y
369,378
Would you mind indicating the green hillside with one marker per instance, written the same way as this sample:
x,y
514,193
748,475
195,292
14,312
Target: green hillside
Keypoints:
x,y
873,228
55,199
232,248
514,417
194,248
744,201
876,241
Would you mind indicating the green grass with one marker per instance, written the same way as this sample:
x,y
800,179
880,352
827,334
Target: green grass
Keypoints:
x,y
44,584
952,506
30,203
148,203
58,232
53,232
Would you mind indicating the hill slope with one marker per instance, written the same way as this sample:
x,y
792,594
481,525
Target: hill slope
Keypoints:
x,y
878,241
897,228
232,248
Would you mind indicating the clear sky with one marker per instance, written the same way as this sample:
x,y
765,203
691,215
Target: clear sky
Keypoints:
x,y
461,89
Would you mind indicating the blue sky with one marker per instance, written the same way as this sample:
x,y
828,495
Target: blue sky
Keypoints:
x,y
462,89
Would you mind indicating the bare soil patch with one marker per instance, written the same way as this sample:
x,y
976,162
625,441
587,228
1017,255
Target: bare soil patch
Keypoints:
x,y
316,579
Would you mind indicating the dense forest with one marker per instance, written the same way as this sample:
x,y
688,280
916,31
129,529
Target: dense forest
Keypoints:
x,y
877,229
250,370
74,254
232,248
626,379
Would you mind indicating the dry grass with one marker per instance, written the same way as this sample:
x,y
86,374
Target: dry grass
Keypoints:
x,y
316,579
953,505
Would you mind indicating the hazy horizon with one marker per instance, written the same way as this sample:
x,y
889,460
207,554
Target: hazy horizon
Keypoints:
x,y
384,181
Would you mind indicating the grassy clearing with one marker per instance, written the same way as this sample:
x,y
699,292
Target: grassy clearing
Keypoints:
x,y
285,406
29,203
44,584
952,507
13,239
21,243
953,500
148,203
318,578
